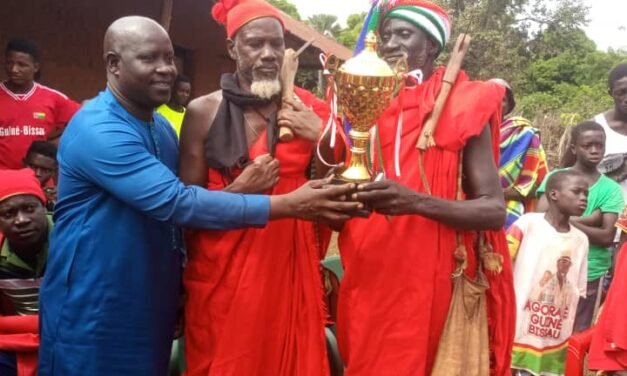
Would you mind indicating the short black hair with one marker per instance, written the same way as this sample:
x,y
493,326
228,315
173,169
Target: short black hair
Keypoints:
x,y
45,148
181,78
578,129
618,72
556,179
24,45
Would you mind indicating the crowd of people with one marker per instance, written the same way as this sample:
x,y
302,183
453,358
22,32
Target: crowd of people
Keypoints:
x,y
139,217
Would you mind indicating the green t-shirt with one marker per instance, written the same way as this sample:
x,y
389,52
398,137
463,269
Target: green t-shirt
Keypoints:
x,y
607,195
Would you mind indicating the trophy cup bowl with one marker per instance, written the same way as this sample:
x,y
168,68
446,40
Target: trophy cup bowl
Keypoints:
x,y
365,86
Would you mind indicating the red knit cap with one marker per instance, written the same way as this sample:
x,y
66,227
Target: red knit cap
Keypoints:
x,y
20,182
236,13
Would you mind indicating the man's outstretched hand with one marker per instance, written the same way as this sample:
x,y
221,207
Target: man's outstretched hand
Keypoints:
x,y
388,197
316,200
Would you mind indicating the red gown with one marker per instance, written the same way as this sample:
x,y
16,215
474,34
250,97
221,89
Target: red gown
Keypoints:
x,y
255,299
20,334
397,287
608,351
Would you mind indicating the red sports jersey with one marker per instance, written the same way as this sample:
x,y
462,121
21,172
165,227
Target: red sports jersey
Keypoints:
x,y
27,117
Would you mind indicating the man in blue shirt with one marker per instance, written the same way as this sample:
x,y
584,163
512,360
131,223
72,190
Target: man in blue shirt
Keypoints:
x,y
109,299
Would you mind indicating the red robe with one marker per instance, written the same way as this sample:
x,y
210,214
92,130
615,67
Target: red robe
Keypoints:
x,y
608,351
20,334
396,289
255,299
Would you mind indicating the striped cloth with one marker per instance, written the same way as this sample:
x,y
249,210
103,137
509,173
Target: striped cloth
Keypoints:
x,y
20,281
23,293
426,15
522,165
621,223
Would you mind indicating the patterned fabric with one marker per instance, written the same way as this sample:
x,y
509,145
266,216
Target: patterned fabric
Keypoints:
x,y
622,221
522,164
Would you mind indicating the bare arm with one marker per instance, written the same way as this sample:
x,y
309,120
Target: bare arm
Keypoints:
x,y
595,219
511,194
260,175
602,236
484,210
193,167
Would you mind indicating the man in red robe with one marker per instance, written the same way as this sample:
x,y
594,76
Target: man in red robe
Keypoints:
x,y
254,296
396,290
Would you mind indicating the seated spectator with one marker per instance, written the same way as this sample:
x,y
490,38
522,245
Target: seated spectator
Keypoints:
x,y
24,232
41,157
174,110
30,111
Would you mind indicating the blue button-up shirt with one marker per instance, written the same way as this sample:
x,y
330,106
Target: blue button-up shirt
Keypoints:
x,y
110,292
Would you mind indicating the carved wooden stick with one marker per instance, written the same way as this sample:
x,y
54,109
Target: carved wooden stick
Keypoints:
x,y
426,139
288,74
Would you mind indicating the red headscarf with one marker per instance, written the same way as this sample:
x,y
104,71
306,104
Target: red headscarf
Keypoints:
x,y
236,13
20,182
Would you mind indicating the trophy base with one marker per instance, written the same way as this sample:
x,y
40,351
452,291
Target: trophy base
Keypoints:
x,y
356,174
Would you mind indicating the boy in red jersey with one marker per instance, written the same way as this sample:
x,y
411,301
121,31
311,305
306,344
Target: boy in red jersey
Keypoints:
x,y
29,111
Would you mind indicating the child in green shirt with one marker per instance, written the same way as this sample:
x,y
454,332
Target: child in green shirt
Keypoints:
x,y
605,202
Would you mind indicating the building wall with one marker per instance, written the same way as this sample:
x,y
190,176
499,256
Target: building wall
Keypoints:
x,y
193,29
70,32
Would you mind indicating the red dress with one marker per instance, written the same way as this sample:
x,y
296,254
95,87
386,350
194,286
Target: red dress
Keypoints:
x,y
608,351
255,299
396,289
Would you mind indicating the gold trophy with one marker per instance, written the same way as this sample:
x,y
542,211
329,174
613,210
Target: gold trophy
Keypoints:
x,y
365,86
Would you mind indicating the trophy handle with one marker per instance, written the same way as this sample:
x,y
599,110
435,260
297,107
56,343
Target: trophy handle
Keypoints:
x,y
331,64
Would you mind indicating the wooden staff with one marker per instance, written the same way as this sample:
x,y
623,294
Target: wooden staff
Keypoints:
x,y
426,139
288,74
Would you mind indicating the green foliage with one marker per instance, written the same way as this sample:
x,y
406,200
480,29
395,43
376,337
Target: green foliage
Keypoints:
x,y
325,24
583,100
287,7
539,46
348,36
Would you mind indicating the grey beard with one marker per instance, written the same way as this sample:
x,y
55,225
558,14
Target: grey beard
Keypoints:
x,y
266,89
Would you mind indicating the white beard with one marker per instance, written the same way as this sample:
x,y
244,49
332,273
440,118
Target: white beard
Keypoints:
x,y
266,89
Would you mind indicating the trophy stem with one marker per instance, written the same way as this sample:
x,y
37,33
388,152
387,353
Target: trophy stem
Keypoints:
x,y
357,170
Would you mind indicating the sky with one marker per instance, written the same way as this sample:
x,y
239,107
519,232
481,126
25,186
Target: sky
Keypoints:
x,y
607,27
